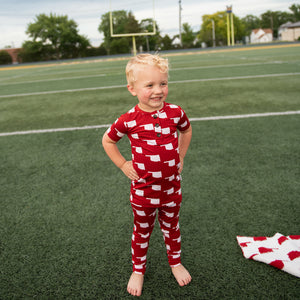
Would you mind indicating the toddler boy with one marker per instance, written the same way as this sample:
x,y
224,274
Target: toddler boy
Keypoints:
x,y
158,153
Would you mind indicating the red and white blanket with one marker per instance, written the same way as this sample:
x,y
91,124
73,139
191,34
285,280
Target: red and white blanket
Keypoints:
x,y
282,252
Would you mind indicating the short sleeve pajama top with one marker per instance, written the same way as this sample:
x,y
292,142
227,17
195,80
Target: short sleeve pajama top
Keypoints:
x,y
155,154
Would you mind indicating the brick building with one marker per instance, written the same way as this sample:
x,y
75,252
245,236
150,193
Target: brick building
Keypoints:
x,y
13,52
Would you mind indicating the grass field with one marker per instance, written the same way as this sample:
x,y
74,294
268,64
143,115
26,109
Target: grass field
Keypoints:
x,y
66,221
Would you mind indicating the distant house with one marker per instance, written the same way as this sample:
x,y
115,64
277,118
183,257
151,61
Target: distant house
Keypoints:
x,y
176,42
261,36
289,32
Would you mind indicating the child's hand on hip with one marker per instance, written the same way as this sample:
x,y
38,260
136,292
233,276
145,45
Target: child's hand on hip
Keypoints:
x,y
129,171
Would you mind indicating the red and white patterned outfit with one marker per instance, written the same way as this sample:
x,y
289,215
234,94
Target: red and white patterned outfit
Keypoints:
x,y
155,157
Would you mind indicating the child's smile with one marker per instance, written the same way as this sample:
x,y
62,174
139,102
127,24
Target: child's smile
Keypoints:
x,y
151,88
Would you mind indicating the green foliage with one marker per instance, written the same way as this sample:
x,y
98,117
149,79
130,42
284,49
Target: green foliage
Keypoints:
x,y
150,42
220,19
206,35
36,51
5,58
273,20
54,37
295,8
57,37
95,51
125,22
120,45
166,43
120,19
187,36
251,22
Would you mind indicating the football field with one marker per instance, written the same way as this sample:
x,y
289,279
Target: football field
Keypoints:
x,y
65,216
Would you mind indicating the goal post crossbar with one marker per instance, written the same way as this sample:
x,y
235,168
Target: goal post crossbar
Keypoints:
x,y
133,34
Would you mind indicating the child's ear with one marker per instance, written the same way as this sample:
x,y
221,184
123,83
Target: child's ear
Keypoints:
x,y
131,90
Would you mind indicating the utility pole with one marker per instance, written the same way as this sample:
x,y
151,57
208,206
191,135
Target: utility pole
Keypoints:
x,y
271,19
180,9
213,32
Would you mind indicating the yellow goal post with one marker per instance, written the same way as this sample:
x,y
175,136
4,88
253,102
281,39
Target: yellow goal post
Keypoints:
x,y
132,34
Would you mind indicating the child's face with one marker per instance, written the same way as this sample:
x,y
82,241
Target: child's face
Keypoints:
x,y
150,87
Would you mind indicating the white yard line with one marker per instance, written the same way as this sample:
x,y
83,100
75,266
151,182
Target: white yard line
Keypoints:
x,y
175,69
191,119
237,77
52,79
170,82
268,114
54,130
231,65
63,91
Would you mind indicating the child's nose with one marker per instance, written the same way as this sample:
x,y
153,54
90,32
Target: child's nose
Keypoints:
x,y
158,89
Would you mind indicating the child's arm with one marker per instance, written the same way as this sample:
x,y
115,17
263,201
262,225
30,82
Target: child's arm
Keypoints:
x,y
117,158
184,142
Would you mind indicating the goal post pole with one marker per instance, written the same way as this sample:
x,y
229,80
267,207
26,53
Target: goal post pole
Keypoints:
x,y
133,34
133,45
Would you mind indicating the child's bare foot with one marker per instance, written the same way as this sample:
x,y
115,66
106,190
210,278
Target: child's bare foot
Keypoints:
x,y
182,275
135,284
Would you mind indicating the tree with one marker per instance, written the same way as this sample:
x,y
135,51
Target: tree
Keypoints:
x,y
125,22
96,51
220,19
149,42
187,36
273,20
251,22
120,19
205,34
35,51
5,58
58,35
295,8
166,43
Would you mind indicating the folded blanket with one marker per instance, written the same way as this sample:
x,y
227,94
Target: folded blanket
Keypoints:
x,y
282,252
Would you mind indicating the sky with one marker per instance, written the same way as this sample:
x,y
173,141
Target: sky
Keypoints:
x,y
15,15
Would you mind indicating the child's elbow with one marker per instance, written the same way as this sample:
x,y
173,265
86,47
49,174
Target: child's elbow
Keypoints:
x,y
104,139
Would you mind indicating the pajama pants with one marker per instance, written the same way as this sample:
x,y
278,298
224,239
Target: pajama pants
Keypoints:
x,y
144,220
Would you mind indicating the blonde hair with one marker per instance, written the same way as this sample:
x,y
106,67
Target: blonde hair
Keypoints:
x,y
144,60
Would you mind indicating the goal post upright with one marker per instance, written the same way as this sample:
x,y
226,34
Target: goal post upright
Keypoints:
x,y
133,34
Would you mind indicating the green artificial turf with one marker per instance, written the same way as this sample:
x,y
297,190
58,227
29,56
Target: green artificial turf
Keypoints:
x,y
65,216
66,220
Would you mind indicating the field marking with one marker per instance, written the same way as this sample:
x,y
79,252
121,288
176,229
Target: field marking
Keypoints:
x,y
64,91
268,114
170,82
192,52
232,49
52,79
236,78
232,65
54,130
175,69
